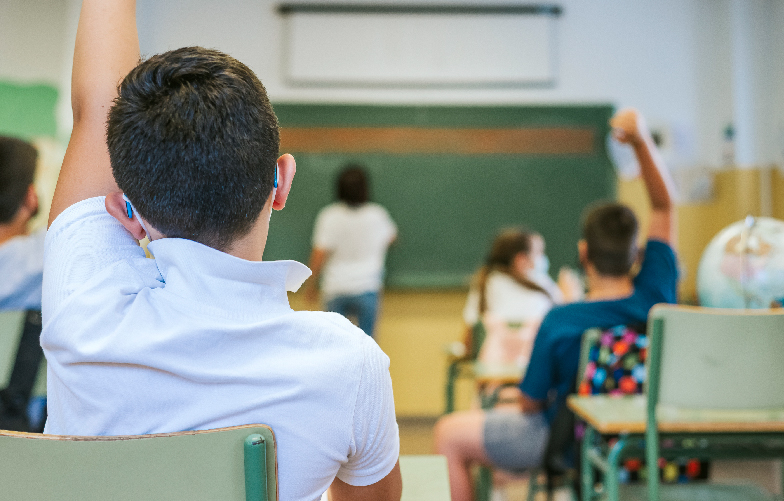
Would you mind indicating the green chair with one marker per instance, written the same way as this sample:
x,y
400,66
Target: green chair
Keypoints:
x,y
229,464
11,323
713,391
22,368
463,366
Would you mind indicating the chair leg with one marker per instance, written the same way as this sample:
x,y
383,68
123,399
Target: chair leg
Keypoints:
x,y
611,479
533,484
450,388
484,484
587,479
781,476
652,460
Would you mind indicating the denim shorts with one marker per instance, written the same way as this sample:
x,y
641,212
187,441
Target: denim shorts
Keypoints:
x,y
515,441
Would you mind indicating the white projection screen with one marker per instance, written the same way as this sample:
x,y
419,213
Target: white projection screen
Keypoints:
x,y
373,45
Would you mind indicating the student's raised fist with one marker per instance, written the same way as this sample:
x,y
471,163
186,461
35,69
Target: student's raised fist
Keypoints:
x,y
628,126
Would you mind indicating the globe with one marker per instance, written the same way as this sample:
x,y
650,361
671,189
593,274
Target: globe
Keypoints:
x,y
743,266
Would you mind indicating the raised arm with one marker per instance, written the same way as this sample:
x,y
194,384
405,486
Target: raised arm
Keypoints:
x,y
629,127
107,48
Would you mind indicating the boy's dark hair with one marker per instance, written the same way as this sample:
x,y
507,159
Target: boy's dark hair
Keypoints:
x,y
610,232
353,185
17,172
193,143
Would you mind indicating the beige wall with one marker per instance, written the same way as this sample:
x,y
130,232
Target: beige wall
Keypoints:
x,y
736,195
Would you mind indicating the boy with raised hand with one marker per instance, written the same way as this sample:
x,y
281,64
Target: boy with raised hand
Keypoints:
x,y
608,251
202,336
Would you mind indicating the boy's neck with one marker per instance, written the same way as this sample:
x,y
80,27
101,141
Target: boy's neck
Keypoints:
x,y
607,288
251,246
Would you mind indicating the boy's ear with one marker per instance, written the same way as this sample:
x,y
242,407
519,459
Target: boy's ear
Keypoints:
x,y
31,201
582,252
115,205
287,167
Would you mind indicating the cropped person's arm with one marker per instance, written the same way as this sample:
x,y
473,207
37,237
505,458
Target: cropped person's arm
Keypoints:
x,y
389,488
107,48
629,127
529,405
316,264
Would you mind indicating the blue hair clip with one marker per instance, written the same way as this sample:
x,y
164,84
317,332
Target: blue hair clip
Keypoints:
x,y
128,207
276,177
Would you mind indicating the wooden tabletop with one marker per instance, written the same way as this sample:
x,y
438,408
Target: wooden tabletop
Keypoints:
x,y
425,478
612,415
501,374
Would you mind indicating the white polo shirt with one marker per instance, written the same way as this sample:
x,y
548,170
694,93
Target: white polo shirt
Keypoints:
x,y
21,272
199,339
357,239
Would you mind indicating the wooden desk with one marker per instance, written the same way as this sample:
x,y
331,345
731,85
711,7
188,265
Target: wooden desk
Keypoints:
x,y
615,415
425,478
625,417
497,374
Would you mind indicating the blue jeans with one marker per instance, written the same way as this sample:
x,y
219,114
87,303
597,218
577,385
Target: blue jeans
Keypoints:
x,y
363,306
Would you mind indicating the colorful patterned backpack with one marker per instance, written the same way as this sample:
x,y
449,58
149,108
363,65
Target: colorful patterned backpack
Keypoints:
x,y
616,366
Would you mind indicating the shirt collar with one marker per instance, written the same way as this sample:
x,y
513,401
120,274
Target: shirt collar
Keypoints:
x,y
214,279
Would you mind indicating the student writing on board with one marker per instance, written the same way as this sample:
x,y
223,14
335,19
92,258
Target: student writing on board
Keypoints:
x,y
350,242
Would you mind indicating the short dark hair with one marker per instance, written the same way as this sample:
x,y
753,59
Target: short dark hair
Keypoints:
x,y
17,172
193,142
610,232
353,185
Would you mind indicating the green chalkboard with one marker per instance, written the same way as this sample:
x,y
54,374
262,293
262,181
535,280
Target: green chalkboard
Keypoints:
x,y
27,111
448,206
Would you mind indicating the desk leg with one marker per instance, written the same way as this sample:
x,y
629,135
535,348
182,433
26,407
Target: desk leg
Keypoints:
x,y
484,484
586,468
450,387
612,478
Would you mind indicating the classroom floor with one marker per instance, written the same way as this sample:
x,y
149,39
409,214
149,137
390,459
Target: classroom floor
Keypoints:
x,y
416,437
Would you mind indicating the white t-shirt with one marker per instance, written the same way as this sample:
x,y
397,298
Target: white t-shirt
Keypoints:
x,y
357,240
199,339
21,272
507,300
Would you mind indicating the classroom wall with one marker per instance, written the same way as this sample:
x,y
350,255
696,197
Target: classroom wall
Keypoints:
x,y
691,66
32,33
736,194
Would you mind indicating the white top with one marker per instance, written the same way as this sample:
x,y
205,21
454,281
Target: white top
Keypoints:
x,y
21,272
199,339
357,240
507,300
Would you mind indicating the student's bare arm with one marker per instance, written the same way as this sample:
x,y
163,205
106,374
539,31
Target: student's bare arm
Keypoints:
x,y
107,48
317,259
629,127
530,406
389,488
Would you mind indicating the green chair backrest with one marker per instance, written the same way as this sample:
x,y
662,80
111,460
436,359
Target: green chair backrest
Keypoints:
x,y
478,334
11,323
229,464
722,359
